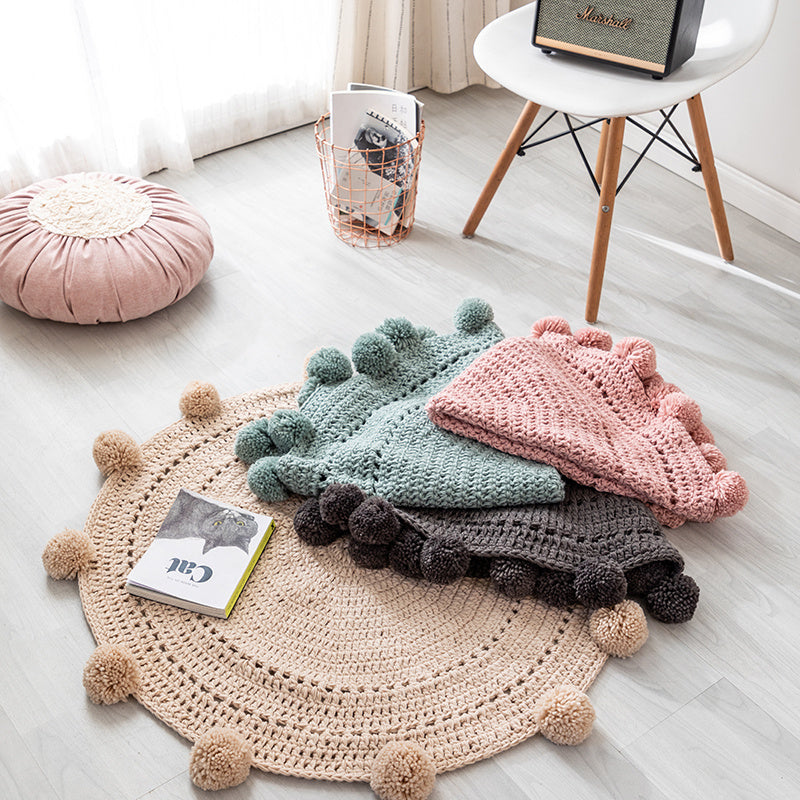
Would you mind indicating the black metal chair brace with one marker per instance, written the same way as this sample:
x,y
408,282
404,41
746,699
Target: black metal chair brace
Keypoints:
x,y
655,135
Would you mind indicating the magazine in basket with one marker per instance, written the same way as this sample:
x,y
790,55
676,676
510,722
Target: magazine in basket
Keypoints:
x,y
201,556
373,133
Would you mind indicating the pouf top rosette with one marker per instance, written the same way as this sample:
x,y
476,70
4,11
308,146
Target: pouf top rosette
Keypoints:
x,y
96,247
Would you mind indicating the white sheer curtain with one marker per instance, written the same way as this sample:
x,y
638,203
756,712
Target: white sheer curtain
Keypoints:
x,y
409,44
135,87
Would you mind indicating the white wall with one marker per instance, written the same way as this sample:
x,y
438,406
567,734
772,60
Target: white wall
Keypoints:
x,y
759,109
754,118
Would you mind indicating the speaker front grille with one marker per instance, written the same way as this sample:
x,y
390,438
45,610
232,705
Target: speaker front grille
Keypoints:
x,y
645,37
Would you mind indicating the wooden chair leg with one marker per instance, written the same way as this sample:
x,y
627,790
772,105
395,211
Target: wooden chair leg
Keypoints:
x,y
601,151
501,167
709,169
605,211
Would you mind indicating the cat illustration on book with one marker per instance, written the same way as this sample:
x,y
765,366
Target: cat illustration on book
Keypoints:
x,y
193,516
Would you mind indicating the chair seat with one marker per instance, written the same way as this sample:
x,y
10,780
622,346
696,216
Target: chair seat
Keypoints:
x,y
730,34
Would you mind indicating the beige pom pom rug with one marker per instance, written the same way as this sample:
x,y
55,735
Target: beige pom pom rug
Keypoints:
x,y
322,663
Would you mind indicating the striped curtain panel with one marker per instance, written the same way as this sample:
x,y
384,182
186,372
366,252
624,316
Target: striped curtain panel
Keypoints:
x,y
411,44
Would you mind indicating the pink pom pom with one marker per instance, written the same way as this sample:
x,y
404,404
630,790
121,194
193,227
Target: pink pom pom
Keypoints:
x,y
593,337
640,353
657,389
551,325
681,407
731,491
714,456
702,435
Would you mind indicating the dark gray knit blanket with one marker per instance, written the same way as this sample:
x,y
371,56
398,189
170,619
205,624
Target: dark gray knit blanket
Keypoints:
x,y
592,548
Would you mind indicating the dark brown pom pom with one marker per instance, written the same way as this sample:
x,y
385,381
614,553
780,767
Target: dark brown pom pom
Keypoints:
x,y
600,583
339,501
643,578
369,556
514,577
557,589
374,522
443,560
405,552
674,600
310,526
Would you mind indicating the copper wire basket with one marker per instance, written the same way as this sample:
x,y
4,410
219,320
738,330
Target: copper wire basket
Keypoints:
x,y
370,194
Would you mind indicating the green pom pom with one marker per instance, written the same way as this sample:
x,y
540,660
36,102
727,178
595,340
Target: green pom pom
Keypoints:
x,y
399,331
263,481
253,441
288,428
374,355
306,390
472,315
329,365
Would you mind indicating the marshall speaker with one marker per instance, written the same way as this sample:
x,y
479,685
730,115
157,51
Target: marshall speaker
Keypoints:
x,y
654,36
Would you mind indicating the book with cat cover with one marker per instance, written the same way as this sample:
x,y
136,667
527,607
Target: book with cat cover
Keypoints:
x,y
201,556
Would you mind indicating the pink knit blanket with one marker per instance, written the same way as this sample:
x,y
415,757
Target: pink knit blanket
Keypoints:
x,y
601,414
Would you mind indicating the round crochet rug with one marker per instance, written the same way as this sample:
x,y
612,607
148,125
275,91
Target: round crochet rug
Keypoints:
x,y
321,663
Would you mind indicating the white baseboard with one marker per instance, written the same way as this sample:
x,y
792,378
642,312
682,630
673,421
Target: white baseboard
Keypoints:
x,y
739,190
760,201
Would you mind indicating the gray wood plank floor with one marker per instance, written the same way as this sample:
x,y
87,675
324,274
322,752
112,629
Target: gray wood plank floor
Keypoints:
x,y
709,709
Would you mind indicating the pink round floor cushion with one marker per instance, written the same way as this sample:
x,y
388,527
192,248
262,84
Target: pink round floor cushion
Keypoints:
x,y
95,247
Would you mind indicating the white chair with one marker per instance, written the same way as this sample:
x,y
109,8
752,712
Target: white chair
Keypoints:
x,y
731,32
